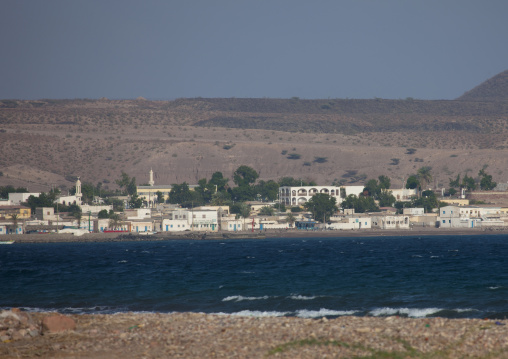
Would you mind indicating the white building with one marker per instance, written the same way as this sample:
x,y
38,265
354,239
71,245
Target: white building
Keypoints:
x,y
201,220
400,221
449,217
294,196
350,222
76,199
404,194
85,208
18,198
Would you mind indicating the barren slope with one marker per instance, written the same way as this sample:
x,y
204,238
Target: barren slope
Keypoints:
x,y
45,143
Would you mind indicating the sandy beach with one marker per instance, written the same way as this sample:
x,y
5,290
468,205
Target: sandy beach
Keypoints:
x,y
195,335
279,233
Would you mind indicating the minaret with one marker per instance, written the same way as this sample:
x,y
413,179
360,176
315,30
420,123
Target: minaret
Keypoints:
x,y
78,188
151,182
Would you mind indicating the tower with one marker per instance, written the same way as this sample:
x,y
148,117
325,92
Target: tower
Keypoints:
x,y
151,182
78,188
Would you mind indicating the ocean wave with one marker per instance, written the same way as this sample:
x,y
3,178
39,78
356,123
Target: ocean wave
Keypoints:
x,y
410,312
239,298
305,313
257,313
301,297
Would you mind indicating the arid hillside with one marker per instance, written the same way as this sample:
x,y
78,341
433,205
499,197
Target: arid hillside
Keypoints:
x,y
48,143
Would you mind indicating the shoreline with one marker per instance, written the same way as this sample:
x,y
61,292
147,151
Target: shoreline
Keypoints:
x,y
198,335
265,234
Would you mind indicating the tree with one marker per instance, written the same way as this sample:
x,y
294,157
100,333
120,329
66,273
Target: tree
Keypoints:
x,y
103,214
412,182
135,201
468,183
424,176
78,216
118,205
44,200
360,204
5,190
292,182
14,218
245,176
267,211
384,182
221,198
114,221
486,183
322,206
427,200
160,197
456,182
127,183
124,180
218,181
386,198
290,218
268,190
180,193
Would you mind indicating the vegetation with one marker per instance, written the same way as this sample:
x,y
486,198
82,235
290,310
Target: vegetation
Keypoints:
x,y
127,184
5,190
322,206
360,204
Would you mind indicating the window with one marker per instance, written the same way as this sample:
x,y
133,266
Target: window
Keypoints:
x,y
444,212
204,215
444,221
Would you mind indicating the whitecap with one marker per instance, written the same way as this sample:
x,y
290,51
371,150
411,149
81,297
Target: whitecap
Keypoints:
x,y
257,313
301,297
239,298
410,312
305,313
123,261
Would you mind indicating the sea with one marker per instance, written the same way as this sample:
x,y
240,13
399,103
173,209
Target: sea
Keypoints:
x,y
409,276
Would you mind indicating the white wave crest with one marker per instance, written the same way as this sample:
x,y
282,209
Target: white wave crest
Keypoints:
x,y
257,313
410,312
304,313
239,298
301,297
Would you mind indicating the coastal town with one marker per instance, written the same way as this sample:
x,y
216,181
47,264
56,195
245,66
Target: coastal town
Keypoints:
x,y
151,208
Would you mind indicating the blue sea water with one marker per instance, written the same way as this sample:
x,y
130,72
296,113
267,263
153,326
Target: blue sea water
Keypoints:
x,y
447,276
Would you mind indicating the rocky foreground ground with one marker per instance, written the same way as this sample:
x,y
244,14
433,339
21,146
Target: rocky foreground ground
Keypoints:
x,y
194,335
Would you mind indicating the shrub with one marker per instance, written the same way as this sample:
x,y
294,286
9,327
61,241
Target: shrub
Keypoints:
x,y
320,159
294,156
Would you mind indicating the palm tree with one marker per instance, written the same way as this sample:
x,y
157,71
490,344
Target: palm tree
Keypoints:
x,y
14,218
291,219
424,176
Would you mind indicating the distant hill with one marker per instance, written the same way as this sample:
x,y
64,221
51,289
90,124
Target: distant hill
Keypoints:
x,y
46,143
494,89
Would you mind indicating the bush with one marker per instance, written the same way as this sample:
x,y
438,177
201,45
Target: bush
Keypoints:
x,y
320,159
294,156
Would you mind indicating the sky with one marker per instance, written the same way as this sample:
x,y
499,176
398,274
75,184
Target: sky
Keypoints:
x,y
168,49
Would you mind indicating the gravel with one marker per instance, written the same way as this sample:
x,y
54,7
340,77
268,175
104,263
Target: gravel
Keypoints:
x,y
197,335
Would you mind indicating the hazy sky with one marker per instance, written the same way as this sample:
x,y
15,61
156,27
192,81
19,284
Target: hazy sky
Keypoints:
x,y
426,49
